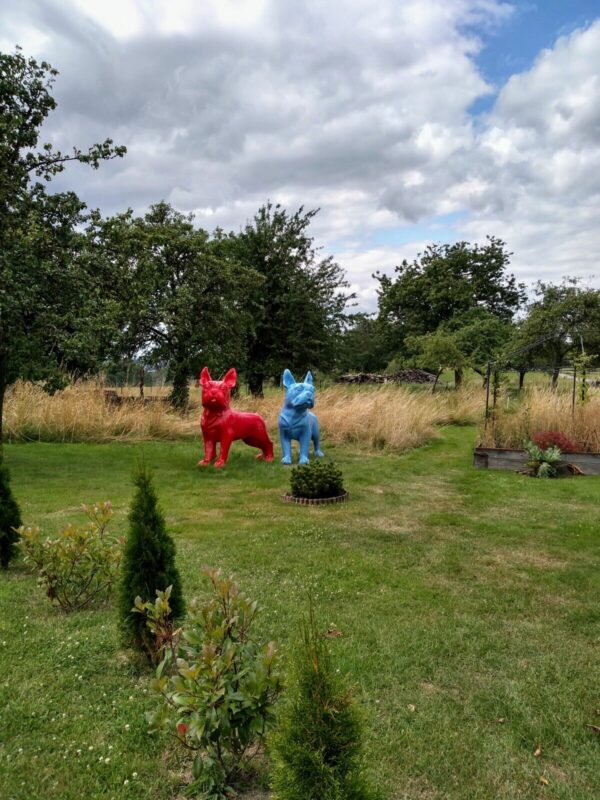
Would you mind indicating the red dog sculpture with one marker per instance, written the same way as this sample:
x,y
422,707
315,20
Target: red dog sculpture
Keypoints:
x,y
223,425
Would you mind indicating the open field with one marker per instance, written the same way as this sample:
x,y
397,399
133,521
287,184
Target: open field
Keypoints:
x,y
468,603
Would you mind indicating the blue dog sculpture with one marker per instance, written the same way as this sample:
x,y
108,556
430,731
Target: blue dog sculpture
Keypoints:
x,y
296,421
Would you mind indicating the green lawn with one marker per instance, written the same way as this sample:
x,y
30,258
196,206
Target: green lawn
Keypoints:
x,y
469,604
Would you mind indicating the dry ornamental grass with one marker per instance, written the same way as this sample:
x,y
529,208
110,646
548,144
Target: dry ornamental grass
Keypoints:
x,y
81,413
541,409
376,417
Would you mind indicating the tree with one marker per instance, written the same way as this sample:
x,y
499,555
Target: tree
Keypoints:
x,y
184,295
49,296
471,339
362,347
148,563
517,353
298,311
568,314
438,351
10,518
317,752
443,283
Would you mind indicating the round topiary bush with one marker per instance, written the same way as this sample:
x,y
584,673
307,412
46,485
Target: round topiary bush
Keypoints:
x,y
317,480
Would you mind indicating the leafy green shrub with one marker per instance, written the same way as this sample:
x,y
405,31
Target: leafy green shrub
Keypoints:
x,y
160,623
317,479
148,565
542,463
317,750
79,567
220,701
10,518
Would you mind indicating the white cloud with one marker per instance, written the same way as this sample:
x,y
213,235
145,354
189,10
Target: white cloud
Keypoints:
x,y
540,152
356,107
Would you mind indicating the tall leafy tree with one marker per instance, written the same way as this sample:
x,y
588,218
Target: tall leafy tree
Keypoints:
x,y
443,283
299,310
49,295
184,295
568,315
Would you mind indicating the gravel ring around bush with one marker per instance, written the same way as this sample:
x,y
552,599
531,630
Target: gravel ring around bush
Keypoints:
x,y
288,497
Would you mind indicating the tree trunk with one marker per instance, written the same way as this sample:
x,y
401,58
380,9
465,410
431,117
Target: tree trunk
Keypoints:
x,y
458,378
437,377
255,384
522,378
180,393
555,374
142,379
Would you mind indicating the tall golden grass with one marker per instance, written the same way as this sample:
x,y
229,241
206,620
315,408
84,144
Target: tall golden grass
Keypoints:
x,y
80,413
541,409
382,416
375,417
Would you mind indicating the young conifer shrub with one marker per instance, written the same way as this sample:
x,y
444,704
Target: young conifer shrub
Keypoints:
x,y
317,752
10,518
148,564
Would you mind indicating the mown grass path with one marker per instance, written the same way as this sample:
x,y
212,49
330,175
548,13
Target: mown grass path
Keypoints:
x,y
468,602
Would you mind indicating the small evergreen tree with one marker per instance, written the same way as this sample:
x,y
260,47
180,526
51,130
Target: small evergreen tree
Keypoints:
x,y
148,563
10,518
317,752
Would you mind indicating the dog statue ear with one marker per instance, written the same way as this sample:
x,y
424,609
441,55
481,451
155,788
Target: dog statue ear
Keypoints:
x,y
308,378
288,379
205,377
230,378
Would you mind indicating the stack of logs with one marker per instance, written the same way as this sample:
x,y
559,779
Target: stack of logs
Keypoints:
x,y
412,375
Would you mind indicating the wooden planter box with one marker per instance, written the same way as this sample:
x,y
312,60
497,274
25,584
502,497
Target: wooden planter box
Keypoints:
x,y
516,460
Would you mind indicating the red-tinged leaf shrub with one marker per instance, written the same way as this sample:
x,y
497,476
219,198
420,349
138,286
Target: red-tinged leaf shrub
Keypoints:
x,y
220,693
546,439
80,565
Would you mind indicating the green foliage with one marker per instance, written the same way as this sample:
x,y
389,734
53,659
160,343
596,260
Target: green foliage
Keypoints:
x,y
317,750
437,351
182,294
298,310
160,623
362,346
148,564
317,479
79,567
443,284
10,518
220,702
542,463
54,312
569,315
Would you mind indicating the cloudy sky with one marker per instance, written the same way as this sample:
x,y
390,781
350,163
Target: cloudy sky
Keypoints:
x,y
405,121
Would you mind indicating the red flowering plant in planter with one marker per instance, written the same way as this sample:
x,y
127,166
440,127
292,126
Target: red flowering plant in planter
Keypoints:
x,y
546,439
